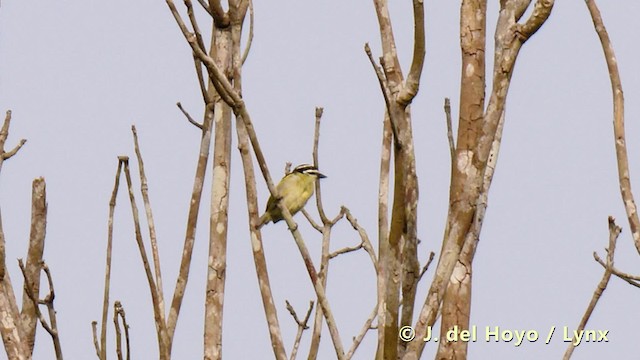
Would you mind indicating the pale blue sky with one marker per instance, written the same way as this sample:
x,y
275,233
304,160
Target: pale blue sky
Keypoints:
x,y
77,74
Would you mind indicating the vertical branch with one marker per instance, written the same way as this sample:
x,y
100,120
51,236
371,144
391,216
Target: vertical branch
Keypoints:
x,y
399,268
144,189
164,348
225,49
618,123
34,259
471,112
48,301
118,314
29,292
316,140
323,275
13,336
218,222
383,221
259,258
101,348
192,221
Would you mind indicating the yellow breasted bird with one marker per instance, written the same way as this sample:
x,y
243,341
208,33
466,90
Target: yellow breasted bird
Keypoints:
x,y
295,188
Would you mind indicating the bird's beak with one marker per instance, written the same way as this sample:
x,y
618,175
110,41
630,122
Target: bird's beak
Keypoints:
x,y
321,176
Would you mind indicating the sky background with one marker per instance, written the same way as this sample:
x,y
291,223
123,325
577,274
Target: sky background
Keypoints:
x,y
78,74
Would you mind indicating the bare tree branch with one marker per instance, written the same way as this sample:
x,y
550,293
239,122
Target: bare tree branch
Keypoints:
x,y
48,301
4,134
96,344
201,83
259,258
164,346
426,266
541,11
452,145
247,48
633,280
33,266
410,89
357,340
192,221
302,326
13,151
316,163
312,222
384,87
189,118
365,242
220,17
144,189
618,123
614,232
205,6
33,297
101,348
194,23
118,313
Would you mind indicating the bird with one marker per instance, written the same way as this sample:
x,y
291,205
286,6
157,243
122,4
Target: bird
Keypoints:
x,y
295,189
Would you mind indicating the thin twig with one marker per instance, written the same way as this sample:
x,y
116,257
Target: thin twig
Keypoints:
x,y
118,313
346,250
631,279
314,224
48,301
366,243
205,7
316,163
13,151
201,83
194,23
410,90
426,266
365,328
452,144
323,276
245,54
302,326
4,133
101,348
614,231
189,118
144,189
384,87
96,344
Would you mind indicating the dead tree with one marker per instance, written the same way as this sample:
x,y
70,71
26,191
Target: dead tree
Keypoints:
x,y
18,325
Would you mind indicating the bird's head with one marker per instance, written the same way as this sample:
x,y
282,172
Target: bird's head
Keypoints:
x,y
307,169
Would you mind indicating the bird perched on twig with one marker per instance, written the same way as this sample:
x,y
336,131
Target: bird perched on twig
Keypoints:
x,y
295,188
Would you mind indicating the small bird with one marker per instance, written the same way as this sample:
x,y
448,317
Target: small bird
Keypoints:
x,y
295,188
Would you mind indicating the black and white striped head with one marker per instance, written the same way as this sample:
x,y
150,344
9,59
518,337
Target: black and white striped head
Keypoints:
x,y
308,169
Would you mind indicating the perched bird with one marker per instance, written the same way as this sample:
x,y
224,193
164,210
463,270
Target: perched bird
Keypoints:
x,y
295,188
